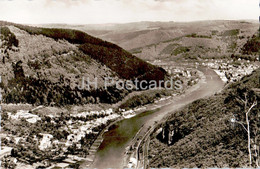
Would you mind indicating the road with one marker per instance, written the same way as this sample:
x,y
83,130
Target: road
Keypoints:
x,y
111,152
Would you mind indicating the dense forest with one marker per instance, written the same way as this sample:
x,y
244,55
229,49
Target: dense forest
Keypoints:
x,y
117,59
24,89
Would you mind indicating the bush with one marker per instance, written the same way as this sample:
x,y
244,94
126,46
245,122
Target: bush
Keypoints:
x,y
252,45
180,50
9,37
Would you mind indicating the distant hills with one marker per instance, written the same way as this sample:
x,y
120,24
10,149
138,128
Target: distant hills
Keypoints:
x,y
45,65
59,56
170,40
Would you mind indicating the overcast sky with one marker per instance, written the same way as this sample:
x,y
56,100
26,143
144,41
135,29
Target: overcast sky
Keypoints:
x,y
120,11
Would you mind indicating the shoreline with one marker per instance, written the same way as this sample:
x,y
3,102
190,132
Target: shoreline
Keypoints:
x,y
91,157
132,143
96,144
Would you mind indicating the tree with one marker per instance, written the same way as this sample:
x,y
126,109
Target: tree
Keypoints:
x,y
246,100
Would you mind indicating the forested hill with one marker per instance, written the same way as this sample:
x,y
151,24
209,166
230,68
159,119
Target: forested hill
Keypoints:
x,y
208,132
117,59
43,66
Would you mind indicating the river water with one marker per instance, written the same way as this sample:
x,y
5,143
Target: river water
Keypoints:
x,y
111,151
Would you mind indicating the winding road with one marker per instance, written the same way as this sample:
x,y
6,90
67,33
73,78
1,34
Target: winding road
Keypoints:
x,y
111,152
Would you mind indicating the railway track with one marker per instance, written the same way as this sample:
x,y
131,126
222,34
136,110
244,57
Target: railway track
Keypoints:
x,y
142,158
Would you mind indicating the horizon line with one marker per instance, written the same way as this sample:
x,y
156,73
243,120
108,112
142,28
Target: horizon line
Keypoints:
x,y
118,23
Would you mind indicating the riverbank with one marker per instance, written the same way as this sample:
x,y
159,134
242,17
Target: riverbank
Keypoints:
x,y
132,150
93,149
164,101
118,138
145,140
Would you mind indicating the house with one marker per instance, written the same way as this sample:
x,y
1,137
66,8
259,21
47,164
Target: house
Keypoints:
x,y
132,162
46,141
29,117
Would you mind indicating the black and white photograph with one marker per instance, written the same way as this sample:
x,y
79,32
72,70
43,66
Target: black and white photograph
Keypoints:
x,y
129,84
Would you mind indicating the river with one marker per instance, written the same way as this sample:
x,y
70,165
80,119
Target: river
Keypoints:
x,y
111,152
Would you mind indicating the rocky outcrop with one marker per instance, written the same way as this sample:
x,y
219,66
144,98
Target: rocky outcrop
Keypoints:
x,y
169,134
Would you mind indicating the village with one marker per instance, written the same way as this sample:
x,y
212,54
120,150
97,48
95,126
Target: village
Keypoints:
x,y
77,131
231,71
73,136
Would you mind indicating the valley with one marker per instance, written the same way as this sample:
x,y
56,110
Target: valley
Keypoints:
x,y
49,121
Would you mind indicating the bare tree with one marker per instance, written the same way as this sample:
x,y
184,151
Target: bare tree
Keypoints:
x,y
249,102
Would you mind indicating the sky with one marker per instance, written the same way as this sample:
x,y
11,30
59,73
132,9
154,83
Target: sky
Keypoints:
x,y
123,11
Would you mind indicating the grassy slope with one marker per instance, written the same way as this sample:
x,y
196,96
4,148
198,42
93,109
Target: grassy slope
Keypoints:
x,y
206,136
144,36
217,39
